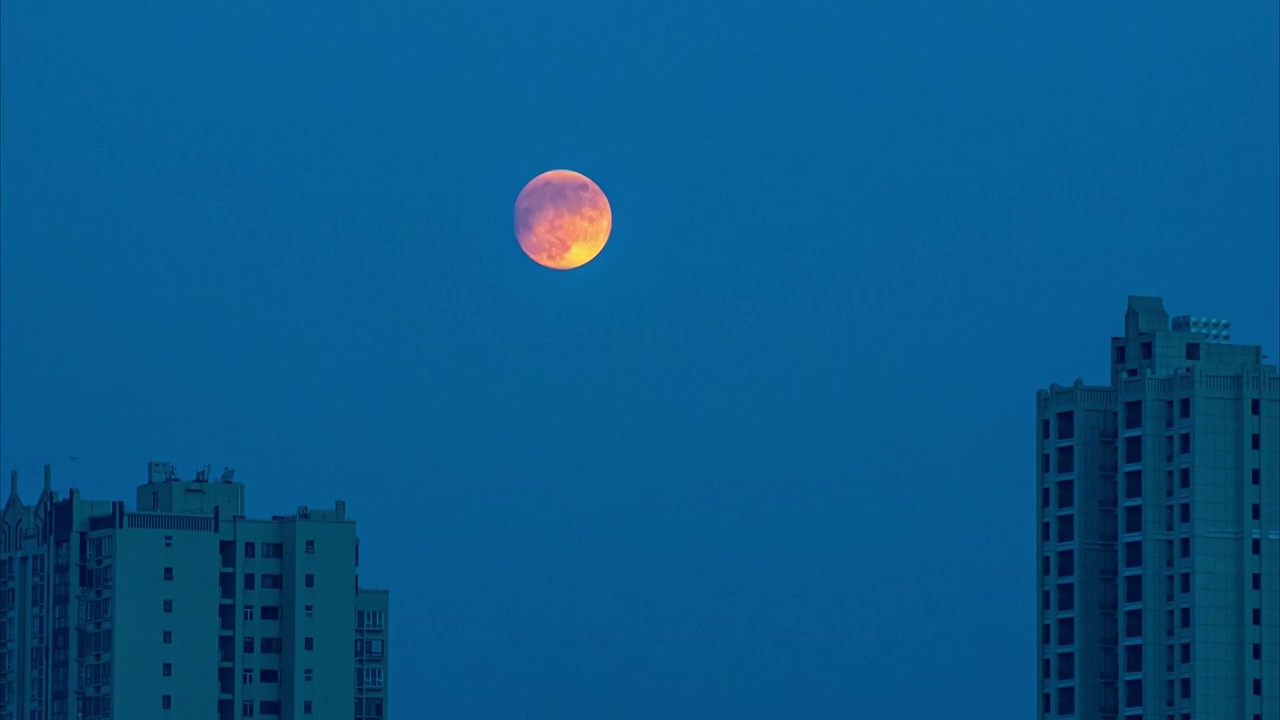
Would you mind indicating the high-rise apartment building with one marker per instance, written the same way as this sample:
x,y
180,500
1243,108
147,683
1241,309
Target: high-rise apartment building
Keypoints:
x,y
1158,533
183,608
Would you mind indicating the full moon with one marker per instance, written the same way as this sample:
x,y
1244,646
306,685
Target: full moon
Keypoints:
x,y
562,219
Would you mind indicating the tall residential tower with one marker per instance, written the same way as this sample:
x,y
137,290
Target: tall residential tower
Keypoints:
x,y
1158,533
183,608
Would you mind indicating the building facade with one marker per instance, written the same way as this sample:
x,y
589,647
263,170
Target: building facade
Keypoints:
x,y
1158,533
184,608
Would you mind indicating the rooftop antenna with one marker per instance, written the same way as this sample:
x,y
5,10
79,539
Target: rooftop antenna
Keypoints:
x,y
227,474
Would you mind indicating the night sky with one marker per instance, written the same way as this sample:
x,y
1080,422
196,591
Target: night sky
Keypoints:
x,y
771,454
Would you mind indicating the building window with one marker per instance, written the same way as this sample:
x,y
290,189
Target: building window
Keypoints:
x,y
168,573
1184,513
1044,429
1133,484
1193,351
1185,617
311,547
1133,623
306,707
1066,600
309,644
1046,703
168,541
1257,616
1133,519
1133,693
1184,408
1132,588
248,613
1256,476
166,669
249,581
246,708
155,501
1255,407
268,707
248,646
1256,441
1066,631
1066,528
1184,478
272,550
1132,658
269,676
272,581
1133,449
1066,494
308,675
1045,534
1044,463
1257,581
270,612
308,611
1119,361
1046,634
246,677
168,606
250,550
168,637
1184,687
1133,554
1184,443
309,580
166,702
1184,547
1257,651
1184,653
1185,582
1257,511
1133,414
1066,700
1045,499
272,646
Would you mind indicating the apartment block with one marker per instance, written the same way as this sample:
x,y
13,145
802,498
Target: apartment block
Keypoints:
x,y
1158,529
183,608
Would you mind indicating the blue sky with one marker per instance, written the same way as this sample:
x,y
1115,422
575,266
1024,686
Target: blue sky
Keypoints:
x,y
770,454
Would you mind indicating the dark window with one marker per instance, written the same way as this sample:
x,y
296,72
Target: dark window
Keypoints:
x,y
270,612
306,707
1133,519
1066,494
1133,449
1133,414
1257,686
168,637
1119,353
1133,554
1067,528
1184,654
1257,651
1256,476
1046,631
1132,588
166,702
248,645
1146,350
269,676
1046,497
1256,546
1066,596
1257,511
168,606
1066,425
1066,631
166,669
1133,623
1066,459
1133,658
249,583
1044,429
1184,477
1255,406
1193,351
1046,703
1066,666
1184,547
1066,563
1257,616
1046,600
1184,582
1184,408
272,646
249,550
1046,567
272,581
1133,484
309,580
1133,693
1045,532
1066,700
1044,463
1184,687
310,546
1257,581
268,707
1184,619
1184,443
168,573
309,644
1184,513
1256,441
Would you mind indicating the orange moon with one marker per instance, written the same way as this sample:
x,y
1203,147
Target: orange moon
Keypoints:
x,y
562,219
